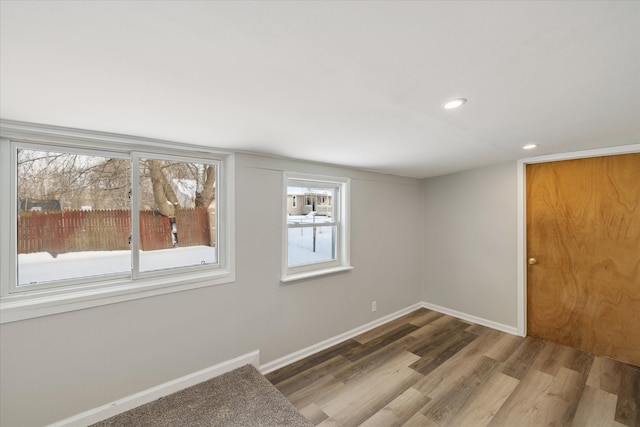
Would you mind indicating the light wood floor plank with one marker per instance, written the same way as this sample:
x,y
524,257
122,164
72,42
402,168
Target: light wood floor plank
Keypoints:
x,y
425,318
596,408
369,397
479,410
440,381
399,410
373,361
442,409
423,332
564,396
314,414
419,420
319,392
361,390
521,408
504,347
605,374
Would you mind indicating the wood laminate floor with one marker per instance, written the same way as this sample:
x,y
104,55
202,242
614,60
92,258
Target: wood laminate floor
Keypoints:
x,y
430,369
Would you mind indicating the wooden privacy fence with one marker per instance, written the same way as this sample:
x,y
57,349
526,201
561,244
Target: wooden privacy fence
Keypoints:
x,y
192,225
107,230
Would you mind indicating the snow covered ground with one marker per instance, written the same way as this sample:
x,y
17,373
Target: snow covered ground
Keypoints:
x,y
42,267
301,240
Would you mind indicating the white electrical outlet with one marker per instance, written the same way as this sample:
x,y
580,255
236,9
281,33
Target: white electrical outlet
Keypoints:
x,y
374,306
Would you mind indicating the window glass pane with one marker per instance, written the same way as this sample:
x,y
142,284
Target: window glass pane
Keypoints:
x,y
74,216
177,214
308,245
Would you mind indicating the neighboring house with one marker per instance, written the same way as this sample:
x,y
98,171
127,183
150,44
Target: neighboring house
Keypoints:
x,y
300,202
28,204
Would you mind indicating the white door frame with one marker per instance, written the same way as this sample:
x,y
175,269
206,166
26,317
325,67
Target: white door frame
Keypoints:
x,y
521,293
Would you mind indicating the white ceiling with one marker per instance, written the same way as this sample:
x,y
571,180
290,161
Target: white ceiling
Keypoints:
x,y
350,83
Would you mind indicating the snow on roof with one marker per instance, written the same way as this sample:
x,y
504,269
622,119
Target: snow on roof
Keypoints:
x,y
185,186
302,191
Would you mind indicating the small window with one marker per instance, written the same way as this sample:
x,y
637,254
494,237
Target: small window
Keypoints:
x,y
316,237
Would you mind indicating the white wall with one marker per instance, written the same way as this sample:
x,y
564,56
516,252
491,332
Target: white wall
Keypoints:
x,y
469,250
55,367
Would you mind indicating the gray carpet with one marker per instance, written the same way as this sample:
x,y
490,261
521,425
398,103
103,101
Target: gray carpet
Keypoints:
x,y
240,398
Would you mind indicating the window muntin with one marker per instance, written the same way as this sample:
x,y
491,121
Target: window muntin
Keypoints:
x,y
316,230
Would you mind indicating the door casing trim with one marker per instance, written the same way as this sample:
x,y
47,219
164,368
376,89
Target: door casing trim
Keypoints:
x,y
521,292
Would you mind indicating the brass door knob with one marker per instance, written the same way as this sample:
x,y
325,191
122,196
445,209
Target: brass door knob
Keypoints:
x,y
532,261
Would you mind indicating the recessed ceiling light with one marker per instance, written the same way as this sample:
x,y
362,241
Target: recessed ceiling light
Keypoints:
x,y
454,103
529,146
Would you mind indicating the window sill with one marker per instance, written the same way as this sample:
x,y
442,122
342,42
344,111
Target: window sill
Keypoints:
x,y
18,307
314,273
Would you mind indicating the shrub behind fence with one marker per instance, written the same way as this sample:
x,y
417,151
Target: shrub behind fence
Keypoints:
x,y
107,230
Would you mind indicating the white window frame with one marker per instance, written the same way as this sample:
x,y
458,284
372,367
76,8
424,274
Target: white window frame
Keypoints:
x,y
340,221
18,303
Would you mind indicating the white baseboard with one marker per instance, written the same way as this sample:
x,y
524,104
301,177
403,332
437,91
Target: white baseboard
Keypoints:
x,y
471,318
121,405
127,403
308,351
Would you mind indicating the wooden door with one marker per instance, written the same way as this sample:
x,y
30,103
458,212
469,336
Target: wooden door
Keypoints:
x,y
583,229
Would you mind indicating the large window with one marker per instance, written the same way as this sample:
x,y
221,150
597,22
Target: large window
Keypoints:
x,y
316,231
93,220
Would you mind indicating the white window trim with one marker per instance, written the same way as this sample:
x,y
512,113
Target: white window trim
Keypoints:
x,y
343,259
43,302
